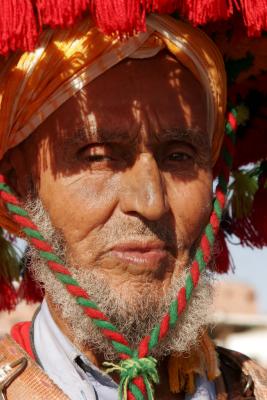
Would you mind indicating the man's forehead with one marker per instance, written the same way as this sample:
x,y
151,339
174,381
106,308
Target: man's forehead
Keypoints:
x,y
119,102
163,62
135,77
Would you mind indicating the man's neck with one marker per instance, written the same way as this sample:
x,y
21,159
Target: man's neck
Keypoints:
x,y
96,359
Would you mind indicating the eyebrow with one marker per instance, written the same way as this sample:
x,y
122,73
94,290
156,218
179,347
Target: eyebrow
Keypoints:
x,y
83,136
194,136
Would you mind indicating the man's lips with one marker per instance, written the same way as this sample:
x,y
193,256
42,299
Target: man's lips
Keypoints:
x,y
140,253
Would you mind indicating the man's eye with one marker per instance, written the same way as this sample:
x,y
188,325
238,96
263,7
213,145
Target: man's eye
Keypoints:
x,y
179,156
97,158
96,154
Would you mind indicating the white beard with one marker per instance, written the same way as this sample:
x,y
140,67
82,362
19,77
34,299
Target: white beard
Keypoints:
x,y
133,317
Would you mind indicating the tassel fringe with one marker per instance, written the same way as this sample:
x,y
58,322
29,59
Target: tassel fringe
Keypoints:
x,y
199,12
22,20
60,13
255,16
222,258
29,289
18,26
182,369
8,295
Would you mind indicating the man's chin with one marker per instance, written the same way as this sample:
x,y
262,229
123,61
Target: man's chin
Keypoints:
x,y
133,308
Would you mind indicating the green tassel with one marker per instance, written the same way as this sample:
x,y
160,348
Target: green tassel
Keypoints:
x,y
9,260
243,115
244,188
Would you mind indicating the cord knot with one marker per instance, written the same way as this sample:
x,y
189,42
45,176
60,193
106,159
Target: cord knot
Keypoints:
x,y
132,368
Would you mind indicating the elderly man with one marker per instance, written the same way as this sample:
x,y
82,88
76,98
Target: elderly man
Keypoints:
x,y
109,146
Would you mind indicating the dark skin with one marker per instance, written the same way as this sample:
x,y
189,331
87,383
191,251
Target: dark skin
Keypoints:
x,y
132,145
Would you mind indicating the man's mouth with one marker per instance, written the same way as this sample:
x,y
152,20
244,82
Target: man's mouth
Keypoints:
x,y
146,253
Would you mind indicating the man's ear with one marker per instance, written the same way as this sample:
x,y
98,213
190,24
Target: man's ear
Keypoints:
x,y
14,167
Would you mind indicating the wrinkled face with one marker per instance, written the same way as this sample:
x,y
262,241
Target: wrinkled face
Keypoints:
x,y
123,169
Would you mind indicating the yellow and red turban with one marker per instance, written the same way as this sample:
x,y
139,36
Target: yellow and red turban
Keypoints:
x,y
34,84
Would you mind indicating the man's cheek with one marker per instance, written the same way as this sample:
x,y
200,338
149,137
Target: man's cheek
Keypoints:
x,y
77,208
191,207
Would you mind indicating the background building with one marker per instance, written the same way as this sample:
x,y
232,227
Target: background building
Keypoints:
x,y
237,322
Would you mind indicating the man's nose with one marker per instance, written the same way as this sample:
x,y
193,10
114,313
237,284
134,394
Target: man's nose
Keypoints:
x,y
143,191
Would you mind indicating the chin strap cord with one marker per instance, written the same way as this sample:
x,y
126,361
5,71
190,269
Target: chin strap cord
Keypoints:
x,y
133,368
137,369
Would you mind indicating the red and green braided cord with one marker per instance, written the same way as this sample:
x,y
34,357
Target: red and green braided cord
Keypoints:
x,y
138,387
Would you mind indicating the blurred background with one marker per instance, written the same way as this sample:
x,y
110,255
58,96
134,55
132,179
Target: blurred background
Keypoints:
x,y
239,317
239,321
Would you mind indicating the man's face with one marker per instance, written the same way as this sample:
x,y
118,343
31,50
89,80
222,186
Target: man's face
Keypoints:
x,y
123,169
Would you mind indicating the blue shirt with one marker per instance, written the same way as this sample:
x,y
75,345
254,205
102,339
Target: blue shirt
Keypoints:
x,y
75,374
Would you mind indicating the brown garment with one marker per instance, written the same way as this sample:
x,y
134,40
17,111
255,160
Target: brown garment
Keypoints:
x,y
241,377
32,383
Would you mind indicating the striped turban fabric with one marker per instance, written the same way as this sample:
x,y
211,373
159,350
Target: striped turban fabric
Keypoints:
x,y
34,84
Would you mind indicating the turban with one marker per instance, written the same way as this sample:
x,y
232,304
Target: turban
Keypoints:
x,y
34,84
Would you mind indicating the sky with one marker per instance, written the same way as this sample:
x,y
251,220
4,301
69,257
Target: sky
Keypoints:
x,y
251,268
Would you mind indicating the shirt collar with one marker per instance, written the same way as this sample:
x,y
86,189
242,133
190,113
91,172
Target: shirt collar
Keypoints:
x,y
58,356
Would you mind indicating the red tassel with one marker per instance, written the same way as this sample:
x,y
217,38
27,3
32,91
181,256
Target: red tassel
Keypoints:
x,y
248,235
29,289
254,15
60,13
8,295
199,12
162,6
221,260
251,144
252,147
18,28
119,16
